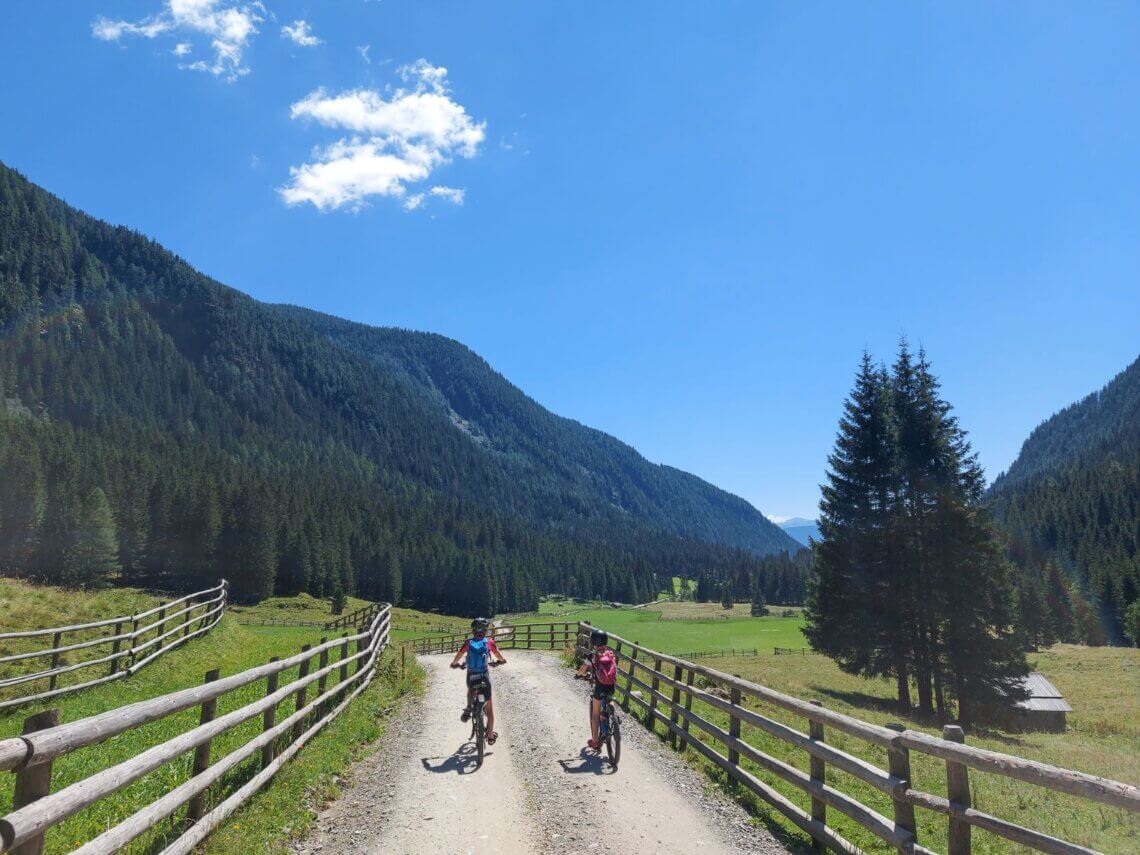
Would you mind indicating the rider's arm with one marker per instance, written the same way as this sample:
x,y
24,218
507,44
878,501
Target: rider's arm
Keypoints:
x,y
459,654
494,648
586,663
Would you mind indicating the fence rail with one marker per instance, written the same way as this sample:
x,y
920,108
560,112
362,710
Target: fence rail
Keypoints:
x,y
36,809
528,636
151,633
717,654
358,618
653,673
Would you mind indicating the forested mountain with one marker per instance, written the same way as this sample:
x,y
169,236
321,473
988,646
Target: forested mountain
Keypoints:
x,y
158,424
1071,504
560,454
803,530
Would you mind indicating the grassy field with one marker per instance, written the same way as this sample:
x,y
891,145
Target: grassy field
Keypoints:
x,y
684,627
283,810
1102,684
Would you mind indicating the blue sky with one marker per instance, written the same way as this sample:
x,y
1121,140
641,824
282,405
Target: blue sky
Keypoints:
x,y
680,223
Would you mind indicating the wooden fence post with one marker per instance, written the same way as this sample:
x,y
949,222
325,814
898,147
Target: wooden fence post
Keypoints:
x,y
528,632
34,782
161,628
958,791
818,770
55,639
656,684
360,645
734,724
322,663
629,682
303,672
688,708
898,762
344,656
115,647
269,717
134,638
202,752
403,658
673,714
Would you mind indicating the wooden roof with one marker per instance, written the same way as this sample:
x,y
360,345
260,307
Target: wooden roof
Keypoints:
x,y
1043,695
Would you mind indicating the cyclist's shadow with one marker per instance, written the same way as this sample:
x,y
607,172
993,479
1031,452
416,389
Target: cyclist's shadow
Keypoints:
x,y
587,762
463,762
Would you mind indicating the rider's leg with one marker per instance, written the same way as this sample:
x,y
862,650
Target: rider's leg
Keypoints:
x,y
490,708
595,715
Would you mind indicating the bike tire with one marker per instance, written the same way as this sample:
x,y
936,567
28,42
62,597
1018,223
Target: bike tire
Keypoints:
x,y
613,743
480,735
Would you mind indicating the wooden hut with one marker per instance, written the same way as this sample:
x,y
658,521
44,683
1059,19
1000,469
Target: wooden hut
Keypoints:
x,y
1045,708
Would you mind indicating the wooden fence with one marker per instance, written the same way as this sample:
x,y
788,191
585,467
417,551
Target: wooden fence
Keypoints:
x,y
361,617
37,809
528,636
150,634
717,654
794,651
663,680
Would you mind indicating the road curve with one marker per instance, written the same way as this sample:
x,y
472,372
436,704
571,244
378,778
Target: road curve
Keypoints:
x,y
537,790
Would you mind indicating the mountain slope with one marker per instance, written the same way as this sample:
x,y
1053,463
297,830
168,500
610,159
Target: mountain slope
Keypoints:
x,y
232,436
520,433
1072,497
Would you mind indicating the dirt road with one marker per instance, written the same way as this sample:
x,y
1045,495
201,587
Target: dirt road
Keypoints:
x,y
538,791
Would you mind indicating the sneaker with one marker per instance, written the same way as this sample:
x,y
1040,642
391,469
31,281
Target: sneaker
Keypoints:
x,y
466,716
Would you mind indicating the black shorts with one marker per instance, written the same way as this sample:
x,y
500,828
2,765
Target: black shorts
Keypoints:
x,y
602,692
483,679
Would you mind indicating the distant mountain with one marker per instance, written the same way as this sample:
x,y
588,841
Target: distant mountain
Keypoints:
x,y
295,451
1072,498
803,530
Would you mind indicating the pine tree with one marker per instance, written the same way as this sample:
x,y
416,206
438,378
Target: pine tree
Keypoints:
x,y
726,595
758,607
93,558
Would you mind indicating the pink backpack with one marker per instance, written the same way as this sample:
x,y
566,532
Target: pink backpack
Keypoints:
x,y
605,667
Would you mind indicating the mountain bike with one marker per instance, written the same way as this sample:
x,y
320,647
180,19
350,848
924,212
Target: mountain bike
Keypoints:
x,y
478,718
609,726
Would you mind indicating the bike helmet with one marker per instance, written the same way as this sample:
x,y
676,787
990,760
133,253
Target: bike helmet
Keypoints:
x,y
480,624
598,637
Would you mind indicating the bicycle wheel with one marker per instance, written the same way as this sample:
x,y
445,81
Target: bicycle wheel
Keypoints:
x,y
613,741
480,734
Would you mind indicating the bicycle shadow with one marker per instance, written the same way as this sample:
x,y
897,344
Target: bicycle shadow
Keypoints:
x,y
587,763
463,762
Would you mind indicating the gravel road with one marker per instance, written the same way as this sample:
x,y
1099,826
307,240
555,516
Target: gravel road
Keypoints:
x,y
538,791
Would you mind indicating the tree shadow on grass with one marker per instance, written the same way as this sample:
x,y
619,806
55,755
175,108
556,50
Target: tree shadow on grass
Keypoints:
x,y
862,700
463,762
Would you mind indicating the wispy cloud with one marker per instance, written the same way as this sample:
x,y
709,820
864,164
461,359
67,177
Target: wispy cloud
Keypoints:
x,y
451,194
227,25
363,51
301,33
396,141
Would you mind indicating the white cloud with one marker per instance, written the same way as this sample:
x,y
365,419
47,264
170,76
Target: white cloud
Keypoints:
x,y
451,194
228,25
301,33
363,51
396,141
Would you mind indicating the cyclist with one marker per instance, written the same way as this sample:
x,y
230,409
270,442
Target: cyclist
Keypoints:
x,y
479,649
602,665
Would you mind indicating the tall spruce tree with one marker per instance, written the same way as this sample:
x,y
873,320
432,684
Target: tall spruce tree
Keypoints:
x,y
913,583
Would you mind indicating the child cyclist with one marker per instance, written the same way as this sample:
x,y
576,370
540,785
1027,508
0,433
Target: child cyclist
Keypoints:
x,y
479,649
601,664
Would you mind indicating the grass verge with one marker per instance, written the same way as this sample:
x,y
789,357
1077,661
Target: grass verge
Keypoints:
x,y
1103,738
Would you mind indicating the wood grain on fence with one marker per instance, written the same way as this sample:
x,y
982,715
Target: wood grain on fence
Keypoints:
x,y
147,641
660,680
26,825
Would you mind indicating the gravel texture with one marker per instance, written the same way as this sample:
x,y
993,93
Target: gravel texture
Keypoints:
x,y
539,790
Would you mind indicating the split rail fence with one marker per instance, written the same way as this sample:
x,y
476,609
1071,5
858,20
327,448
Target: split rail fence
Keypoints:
x,y
321,682
357,618
527,636
135,641
667,693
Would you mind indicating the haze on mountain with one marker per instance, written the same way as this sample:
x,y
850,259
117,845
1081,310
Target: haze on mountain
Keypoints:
x,y
802,529
296,451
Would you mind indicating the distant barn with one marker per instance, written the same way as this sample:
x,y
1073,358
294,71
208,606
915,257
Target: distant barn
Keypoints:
x,y
1045,708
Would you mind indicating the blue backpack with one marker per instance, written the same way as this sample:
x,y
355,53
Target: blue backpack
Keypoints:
x,y
478,653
